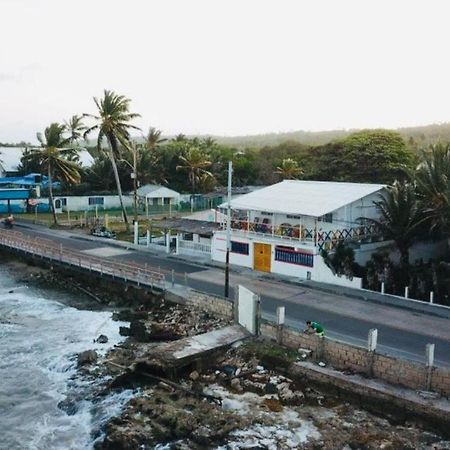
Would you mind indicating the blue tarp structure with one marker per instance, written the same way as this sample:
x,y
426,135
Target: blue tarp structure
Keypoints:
x,y
30,180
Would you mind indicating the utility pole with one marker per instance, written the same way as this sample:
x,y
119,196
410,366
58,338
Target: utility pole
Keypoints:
x,y
134,176
227,260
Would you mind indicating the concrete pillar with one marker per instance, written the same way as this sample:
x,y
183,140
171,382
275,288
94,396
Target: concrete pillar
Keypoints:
x,y
148,238
177,244
136,232
372,340
281,315
406,291
168,242
431,297
382,287
429,353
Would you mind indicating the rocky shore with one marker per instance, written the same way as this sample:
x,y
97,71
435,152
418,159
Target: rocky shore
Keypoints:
x,y
242,398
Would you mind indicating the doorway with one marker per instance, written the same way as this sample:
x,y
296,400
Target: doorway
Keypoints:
x,y
262,254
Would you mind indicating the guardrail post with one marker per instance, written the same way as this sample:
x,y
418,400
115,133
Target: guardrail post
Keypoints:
x,y
371,347
382,287
429,353
406,291
431,297
281,315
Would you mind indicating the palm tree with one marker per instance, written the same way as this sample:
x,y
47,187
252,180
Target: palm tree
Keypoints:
x,y
289,169
153,138
113,124
52,156
75,127
401,217
195,163
433,183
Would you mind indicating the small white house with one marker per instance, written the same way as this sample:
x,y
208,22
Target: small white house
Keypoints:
x,y
89,202
283,228
156,195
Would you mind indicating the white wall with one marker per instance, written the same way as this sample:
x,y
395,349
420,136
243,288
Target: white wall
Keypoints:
x,y
81,203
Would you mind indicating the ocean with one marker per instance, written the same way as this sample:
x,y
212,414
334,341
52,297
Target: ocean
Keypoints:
x,y
45,403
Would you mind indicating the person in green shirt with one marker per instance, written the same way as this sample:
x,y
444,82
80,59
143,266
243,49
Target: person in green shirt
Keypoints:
x,y
314,328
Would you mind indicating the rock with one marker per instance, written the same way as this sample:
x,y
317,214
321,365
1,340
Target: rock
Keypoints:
x,y
288,396
102,339
68,405
236,385
273,404
271,388
194,375
124,331
87,357
229,370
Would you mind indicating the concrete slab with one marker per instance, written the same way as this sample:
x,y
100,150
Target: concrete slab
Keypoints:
x,y
106,252
179,353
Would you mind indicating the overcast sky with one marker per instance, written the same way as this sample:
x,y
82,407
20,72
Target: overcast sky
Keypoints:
x,y
228,67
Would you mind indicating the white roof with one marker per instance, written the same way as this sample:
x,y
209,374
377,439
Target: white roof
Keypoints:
x,y
156,191
308,198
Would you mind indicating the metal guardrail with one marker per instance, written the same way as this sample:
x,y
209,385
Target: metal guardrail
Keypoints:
x,y
45,248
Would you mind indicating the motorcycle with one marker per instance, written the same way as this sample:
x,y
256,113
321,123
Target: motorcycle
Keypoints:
x,y
8,224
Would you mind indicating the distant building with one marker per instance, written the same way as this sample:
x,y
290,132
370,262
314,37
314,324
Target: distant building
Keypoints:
x,y
157,195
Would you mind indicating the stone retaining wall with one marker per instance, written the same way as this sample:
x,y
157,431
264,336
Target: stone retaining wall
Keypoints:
x,y
359,360
215,305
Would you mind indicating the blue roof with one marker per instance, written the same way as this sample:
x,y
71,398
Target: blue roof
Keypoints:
x,y
14,194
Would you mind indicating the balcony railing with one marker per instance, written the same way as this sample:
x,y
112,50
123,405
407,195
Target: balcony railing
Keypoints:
x,y
323,239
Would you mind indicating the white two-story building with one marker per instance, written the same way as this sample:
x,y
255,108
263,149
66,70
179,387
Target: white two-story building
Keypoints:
x,y
283,228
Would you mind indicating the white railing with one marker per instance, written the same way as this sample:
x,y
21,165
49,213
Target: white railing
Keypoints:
x,y
46,248
194,247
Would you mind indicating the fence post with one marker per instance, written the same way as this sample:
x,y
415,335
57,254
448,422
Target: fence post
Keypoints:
x,y
173,278
136,232
431,297
429,353
382,287
372,340
281,314
406,291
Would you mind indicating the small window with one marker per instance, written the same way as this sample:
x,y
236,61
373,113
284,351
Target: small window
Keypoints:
x,y
326,218
167,201
64,201
188,237
293,217
292,256
154,201
96,201
265,213
239,247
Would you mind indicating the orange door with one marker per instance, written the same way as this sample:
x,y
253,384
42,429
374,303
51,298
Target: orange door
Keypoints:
x,y
262,256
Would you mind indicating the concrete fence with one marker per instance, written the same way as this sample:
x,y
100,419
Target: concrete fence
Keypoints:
x,y
363,360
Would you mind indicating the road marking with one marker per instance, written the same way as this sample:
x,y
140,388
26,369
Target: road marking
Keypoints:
x,y
106,252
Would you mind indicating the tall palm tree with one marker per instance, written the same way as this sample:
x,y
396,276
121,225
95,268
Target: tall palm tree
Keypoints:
x,y
113,124
52,156
75,127
195,163
401,217
433,183
289,169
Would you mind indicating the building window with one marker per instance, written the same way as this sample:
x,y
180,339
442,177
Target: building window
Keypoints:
x,y
188,237
265,213
96,201
293,217
239,247
292,256
167,201
326,218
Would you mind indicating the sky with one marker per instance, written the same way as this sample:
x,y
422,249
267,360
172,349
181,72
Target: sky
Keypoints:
x,y
231,67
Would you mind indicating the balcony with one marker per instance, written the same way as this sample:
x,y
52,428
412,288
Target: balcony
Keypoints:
x,y
297,234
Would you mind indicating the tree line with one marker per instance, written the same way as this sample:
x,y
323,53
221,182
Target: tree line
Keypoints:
x,y
415,206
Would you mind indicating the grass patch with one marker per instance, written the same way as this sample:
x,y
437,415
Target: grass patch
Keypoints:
x,y
269,354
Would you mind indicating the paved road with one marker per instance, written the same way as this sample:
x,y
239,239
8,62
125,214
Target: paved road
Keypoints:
x,y
401,332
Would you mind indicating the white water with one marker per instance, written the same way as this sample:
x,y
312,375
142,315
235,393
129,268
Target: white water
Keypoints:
x,y
39,341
